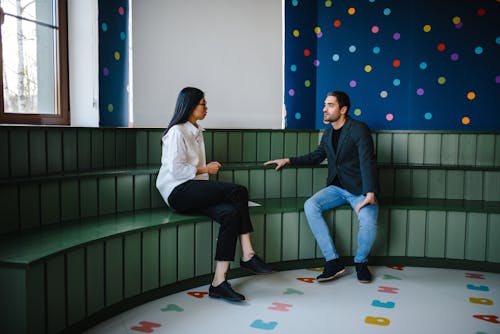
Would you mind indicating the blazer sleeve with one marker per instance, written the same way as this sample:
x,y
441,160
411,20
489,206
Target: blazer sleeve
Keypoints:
x,y
367,161
312,158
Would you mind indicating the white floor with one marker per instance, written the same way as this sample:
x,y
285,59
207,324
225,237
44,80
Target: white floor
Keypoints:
x,y
399,300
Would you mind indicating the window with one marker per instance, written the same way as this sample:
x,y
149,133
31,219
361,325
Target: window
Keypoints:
x,y
34,62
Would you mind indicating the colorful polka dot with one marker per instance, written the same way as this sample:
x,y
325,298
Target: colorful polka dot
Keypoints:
x,y
352,48
481,12
497,79
471,96
465,120
117,55
427,115
293,68
456,20
352,83
317,30
423,65
123,36
376,50
441,47
328,3
104,26
307,52
291,92
105,71
295,3
121,10
110,107
384,94
307,83
357,112
335,57
296,33
459,25
497,40
441,80
316,63
351,11
478,50
337,23
454,57
420,91
389,117
396,36
375,29
396,63
396,82
368,68
387,11
298,115
427,28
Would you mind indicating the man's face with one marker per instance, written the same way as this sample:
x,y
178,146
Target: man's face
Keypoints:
x,y
331,110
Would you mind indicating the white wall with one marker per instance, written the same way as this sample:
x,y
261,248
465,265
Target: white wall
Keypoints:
x,y
231,49
83,62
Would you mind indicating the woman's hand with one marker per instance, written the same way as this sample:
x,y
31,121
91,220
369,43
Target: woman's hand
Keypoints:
x,y
213,167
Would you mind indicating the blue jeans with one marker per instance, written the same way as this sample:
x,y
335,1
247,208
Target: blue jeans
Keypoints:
x,y
332,197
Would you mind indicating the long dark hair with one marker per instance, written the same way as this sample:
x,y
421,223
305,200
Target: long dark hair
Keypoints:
x,y
188,99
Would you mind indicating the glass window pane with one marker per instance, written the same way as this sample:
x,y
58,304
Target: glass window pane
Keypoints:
x,y
29,69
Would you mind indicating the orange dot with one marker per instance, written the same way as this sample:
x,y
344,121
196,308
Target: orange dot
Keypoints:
x,y
351,11
337,23
396,63
465,120
441,47
471,95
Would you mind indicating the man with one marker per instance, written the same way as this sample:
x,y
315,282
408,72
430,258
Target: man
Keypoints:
x,y
352,179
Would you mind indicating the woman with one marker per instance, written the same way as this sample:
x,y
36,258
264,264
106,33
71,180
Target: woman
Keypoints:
x,y
185,186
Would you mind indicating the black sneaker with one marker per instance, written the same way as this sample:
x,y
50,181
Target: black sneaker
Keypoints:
x,y
364,274
333,269
225,291
256,266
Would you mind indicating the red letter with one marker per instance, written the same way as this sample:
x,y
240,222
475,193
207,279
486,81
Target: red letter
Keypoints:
x,y
490,318
280,307
197,294
145,327
386,289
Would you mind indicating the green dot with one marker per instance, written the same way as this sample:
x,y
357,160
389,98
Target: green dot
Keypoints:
x,y
307,83
110,107
357,111
441,80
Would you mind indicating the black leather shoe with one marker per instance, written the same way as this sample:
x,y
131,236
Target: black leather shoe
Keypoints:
x,y
333,269
225,291
256,266
363,273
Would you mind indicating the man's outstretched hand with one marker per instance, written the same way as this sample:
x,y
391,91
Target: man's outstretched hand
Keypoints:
x,y
278,162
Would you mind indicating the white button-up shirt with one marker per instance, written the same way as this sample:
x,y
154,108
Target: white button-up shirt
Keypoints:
x,y
183,151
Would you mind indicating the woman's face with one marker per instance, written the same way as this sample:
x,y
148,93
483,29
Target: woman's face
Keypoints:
x,y
199,112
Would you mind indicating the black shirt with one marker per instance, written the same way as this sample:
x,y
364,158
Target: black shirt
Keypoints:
x,y
335,143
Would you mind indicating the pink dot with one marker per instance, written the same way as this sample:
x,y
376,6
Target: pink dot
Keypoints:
x,y
389,117
420,91
316,63
319,35
353,83
291,92
375,29
121,11
396,36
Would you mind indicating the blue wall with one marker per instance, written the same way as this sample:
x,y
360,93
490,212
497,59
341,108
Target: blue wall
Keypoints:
x,y
413,65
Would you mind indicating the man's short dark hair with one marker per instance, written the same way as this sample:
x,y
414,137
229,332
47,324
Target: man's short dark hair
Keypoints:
x,y
342,98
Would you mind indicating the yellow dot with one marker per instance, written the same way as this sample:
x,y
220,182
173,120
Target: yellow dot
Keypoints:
x,y
456,20
307,83
110,107
368,68
427,28
117,55
296,33
351,11
471,95
317,30
465,120
441,80
357,112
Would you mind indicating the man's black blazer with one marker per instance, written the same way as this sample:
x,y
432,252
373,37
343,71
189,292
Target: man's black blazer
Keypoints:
x,y
354,163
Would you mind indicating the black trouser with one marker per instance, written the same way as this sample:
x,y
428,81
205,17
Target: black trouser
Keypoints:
x,y
226,203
